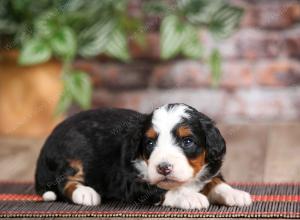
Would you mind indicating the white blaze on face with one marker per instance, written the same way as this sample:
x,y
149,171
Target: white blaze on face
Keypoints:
x,y
166,150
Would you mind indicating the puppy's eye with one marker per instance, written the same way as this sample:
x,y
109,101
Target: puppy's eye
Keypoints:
x,y
149,144
187,142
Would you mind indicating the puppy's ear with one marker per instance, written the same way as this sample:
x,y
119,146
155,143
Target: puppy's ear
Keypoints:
x,y
214,144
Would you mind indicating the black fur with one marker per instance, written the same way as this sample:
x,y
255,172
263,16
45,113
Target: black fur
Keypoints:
x,y
212,140
107,141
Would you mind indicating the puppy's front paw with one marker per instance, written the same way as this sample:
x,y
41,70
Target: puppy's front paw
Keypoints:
x,y
226,195
185,199
85,195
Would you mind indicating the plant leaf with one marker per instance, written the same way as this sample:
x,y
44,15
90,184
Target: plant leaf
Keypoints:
x,y
7,26
79,86
94,39
63,42
215,61
117,46
171,36
34,51
64,102
46,24
200,12
220,17
23,34
191,46
19,5
156,7
191,7
225,20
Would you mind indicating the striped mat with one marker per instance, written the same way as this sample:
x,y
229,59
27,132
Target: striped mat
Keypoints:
x,y
270,201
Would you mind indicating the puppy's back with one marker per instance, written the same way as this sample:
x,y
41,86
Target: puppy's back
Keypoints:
x,y
89,136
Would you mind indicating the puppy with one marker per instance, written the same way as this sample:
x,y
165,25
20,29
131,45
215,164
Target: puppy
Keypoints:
x,y
170,157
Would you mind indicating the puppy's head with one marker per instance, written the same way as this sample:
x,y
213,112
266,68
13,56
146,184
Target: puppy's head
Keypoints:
x,y
180,144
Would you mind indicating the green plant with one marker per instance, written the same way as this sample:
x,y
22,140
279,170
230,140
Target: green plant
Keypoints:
x,y
183,19
65,29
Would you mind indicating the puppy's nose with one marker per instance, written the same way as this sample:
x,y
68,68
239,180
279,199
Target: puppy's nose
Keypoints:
x,y
164,168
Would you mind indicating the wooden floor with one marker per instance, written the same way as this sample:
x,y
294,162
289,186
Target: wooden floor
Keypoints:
x,y
255,153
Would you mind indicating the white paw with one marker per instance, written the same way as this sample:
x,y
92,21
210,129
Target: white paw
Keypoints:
x,y
226,195
49,196
185,199
84,195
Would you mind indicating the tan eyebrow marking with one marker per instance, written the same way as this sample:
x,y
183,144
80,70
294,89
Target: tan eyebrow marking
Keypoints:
x,y
151,133
184,131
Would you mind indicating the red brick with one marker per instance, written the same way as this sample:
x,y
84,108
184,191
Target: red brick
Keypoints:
x,y
227,47
134,8
296,12
249,43
269,15
249,18
195,74
237,74
116,75
292,41
246,43
209,101
102,97
278,73
149,50
181,73
254,44
276,15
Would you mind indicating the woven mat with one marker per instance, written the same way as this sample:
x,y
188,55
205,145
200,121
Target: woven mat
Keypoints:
x,y
270,201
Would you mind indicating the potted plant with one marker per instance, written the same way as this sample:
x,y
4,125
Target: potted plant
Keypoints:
x,y
39,42
46,36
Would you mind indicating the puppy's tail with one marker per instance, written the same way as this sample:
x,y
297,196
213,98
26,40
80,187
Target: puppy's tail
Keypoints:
x,y
49,196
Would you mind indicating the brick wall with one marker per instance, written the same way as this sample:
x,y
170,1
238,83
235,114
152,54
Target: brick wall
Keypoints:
x,y
260,80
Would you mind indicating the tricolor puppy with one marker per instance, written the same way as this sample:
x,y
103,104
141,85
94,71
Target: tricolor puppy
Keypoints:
x,y
170,157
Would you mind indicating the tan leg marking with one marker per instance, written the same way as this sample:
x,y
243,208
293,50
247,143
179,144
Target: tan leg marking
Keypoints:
x,y
75,180
219,192
209,186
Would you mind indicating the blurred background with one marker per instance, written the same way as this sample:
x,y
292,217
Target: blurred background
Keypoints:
x,y
238,61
